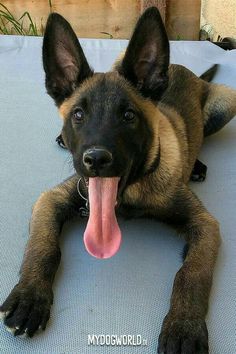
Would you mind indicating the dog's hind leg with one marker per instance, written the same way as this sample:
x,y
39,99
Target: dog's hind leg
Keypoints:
x,y
219,109
27,308
199,172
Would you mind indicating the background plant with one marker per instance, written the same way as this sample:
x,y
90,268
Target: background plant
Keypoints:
x,y
24,25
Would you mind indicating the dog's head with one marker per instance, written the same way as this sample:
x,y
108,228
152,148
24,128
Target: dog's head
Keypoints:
x,y
106,118
110,120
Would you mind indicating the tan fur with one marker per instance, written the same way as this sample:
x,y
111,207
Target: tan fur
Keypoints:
x,y
153,116
118,60
170,165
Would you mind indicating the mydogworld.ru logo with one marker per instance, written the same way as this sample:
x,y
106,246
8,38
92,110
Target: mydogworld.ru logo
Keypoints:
x,y
116,340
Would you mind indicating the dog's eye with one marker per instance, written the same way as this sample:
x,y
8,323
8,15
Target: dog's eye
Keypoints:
x,y
129,116
78,115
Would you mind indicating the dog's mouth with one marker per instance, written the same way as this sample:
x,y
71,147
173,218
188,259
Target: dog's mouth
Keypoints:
x,y
102,236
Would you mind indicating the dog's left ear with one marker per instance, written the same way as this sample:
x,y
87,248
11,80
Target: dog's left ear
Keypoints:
x,y
146,60
64,61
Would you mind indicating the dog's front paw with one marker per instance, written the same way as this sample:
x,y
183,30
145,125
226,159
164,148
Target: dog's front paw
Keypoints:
x,y
183,336
27,308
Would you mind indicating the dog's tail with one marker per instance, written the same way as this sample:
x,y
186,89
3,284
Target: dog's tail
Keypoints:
x,y
210,73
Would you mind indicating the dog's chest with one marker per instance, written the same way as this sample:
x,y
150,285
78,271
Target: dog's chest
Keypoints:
x,y
144,196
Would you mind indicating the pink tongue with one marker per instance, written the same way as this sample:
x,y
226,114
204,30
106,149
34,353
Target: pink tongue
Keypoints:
x,y
102,236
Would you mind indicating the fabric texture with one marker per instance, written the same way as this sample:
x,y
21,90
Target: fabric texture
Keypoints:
x,y
129,293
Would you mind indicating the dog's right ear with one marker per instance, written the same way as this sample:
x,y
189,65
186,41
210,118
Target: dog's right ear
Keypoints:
x,y
64,61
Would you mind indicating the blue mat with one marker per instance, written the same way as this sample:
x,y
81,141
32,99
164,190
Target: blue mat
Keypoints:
x,y
128,294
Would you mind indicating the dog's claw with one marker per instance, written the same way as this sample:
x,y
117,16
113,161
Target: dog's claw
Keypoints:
x,y
11,330
3,314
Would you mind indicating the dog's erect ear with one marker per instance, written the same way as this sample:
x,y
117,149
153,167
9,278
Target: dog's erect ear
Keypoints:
x,y
64,62
146,60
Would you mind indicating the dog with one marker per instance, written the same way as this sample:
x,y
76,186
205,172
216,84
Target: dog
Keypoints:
x,y
134,134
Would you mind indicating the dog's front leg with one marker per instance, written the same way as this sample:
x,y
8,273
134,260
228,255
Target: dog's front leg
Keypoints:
x,y
184,330
28,306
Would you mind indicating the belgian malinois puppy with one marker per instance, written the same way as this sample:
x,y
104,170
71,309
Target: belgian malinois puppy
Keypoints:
x,y
134,134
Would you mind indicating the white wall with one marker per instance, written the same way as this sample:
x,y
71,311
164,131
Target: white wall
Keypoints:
x,y
220,17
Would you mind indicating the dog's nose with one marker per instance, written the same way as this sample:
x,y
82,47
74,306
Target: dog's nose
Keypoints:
x,y
97,158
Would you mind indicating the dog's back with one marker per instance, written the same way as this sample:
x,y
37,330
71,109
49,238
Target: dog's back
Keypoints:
x,y
187,93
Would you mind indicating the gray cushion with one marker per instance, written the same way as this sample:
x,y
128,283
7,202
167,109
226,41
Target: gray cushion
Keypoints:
x,y
128,294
